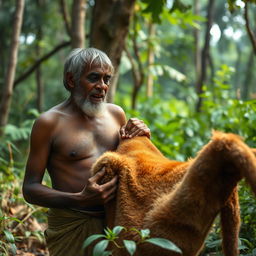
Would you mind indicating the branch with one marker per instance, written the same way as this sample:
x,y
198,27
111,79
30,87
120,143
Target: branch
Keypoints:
x,y
39,61
63,10
136,52
135,73
249,31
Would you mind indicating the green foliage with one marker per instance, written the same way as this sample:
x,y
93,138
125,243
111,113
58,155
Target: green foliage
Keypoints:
x,y
13,227
248,219
155,8
179,131
112,236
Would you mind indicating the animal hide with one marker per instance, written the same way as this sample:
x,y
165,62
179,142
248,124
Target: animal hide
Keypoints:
x,y
179,200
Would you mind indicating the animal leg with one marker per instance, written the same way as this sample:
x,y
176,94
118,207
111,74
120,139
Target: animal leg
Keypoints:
x,y
186,214
230,225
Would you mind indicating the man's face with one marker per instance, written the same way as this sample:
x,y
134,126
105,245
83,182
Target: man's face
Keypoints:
x,y
91,91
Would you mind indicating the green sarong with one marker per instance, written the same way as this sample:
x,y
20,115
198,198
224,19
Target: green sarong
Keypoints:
x,y
67,230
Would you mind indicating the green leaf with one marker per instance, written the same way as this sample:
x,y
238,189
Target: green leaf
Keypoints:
x,y
9,236
164,243
144,233
130,246
13,249
107,253
155,8
100,248
117,229
178,5
92,238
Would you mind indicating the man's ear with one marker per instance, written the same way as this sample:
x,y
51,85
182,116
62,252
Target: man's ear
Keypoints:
x,y
70,80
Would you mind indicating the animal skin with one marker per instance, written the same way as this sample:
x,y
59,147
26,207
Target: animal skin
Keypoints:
x,y
179,201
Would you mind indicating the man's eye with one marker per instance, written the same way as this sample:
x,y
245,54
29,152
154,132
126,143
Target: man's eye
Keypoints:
x,y
93,78
107,79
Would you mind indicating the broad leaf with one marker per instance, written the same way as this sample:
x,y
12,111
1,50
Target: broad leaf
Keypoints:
x,y
117,229
100,248
164,243
130,246
9,236
144,233
92,238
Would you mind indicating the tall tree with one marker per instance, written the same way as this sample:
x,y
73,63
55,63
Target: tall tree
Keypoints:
x,y
151,58
252,37
77,24
9,79
109,30
197,51
205,52
137,69
38,73
248,76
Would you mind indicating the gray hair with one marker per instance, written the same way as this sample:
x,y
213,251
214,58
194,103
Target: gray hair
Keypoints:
x,y
80,58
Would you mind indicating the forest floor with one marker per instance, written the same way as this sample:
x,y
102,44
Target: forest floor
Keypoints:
x,y
26,224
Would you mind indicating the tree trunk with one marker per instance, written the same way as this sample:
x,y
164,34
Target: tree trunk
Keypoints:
x,y
39,82
65,16
9,79
248,28
109,30
151,58
197,56
77,24
237,74
205,53
248,77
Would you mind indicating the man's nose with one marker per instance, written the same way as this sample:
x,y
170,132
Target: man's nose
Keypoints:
x,y
101,84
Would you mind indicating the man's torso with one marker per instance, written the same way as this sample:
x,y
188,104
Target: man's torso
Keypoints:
x,y
76,144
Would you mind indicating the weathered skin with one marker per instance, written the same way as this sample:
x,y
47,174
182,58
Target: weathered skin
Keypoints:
x,y
66,142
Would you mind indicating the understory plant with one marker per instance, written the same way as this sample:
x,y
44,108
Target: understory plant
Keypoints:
x,y
111,236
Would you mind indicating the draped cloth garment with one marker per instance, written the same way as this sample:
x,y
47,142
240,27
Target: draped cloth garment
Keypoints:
x,y
67,230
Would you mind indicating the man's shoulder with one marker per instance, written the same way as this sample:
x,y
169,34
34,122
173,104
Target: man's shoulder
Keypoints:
x,y
48,119
115,109
117,112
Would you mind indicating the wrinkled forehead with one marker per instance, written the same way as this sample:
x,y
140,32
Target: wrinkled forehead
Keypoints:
x,y
99,66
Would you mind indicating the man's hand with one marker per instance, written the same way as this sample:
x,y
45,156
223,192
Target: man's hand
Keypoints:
x,y
95,194
134,127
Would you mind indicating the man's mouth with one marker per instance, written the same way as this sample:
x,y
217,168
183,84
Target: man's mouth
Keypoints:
x,y
97,97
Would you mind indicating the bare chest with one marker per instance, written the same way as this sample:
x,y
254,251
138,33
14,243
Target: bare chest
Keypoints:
x,y
85,140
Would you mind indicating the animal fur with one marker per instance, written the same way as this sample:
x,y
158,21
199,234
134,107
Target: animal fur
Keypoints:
x,y
179,200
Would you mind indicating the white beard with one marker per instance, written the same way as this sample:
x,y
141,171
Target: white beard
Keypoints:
x,y
89,108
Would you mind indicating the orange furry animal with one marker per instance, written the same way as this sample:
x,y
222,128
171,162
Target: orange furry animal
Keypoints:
x,y
179,200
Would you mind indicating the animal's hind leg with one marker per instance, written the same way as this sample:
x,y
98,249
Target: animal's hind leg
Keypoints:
x,y
186,214
230,225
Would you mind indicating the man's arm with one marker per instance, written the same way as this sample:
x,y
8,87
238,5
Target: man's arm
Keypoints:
x,y
36,193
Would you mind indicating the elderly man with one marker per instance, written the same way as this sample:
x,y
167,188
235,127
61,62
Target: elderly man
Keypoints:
x,y
66,140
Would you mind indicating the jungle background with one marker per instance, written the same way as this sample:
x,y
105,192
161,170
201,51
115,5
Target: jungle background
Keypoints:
x,y
186,67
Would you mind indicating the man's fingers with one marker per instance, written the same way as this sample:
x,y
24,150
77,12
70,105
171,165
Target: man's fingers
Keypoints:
x,y
122,131
133,127
110,198
131,122
98,175
139,127
110,184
